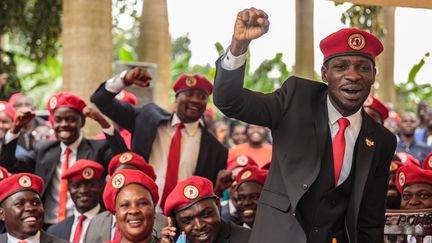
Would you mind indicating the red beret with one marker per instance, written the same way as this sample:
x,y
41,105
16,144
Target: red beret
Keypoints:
x,y
251,173
14,97
240,160
84,169
3,173
411,174
395,165
7,109
375,104
20,182
66,99
128,97
427,163
131,158
188,192
407,159
123,178
351,42
186,81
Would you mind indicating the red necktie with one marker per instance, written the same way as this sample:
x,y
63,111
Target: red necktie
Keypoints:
x,y
339,147
78,229
117,234
63,188
171,175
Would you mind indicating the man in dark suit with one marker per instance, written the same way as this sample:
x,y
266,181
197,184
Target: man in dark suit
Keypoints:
x,y
154,130
49,158
330,164
194,209
22,211
85,185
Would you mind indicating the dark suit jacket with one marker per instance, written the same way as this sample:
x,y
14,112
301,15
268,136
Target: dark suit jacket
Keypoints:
x,y
143,122
63,229
297,116
99,229
44,238
232,233
43,159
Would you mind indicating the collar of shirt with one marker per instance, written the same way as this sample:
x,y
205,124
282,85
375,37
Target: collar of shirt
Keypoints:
x,y
191,128
33,239
73,147
89,214
333,115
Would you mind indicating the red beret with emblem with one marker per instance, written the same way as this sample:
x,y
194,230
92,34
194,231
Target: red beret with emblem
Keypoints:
x,y
375,104
195,81
66,99
3,173
412,174
127,97
84,169
131,158
123,178
407,159
351,42
251,173
240,160
7,109
427,163
20,182
187,193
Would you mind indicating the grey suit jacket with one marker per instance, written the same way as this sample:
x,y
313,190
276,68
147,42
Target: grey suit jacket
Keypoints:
x,y
297,116
99,229
44,238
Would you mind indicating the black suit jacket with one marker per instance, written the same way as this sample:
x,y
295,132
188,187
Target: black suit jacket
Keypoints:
x,y
63,229
232,233
43,159
44,238
297,116
143,122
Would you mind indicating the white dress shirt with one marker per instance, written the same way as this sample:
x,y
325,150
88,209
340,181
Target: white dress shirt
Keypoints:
x,y
53,189
89,215
32,239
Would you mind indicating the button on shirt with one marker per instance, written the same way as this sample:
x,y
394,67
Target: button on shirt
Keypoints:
x,y
190,144
89,215
351,134
53,189
33,239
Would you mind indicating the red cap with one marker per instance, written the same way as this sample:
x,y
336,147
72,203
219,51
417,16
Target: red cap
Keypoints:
x,y
131,158
123,178
375,104
128,97
395,165
251,173
411,174
351,42
427,163
20,182
240,160
186,81
187,193
84,169
3,173
8,109
66,99
407,159
14,97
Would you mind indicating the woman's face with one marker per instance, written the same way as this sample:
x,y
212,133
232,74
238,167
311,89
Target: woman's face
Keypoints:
x,y
135,212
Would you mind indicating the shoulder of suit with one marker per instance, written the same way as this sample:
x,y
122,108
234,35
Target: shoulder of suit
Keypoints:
x,y
239,232
210,139
43,145
306,82
46,237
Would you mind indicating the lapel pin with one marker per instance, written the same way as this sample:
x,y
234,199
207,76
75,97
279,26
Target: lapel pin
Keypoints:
x,y
369,143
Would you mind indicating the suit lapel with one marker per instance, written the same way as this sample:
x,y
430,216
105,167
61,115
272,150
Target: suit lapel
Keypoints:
x,y
363,160
321,125
84,150
50,161
45,238
202,154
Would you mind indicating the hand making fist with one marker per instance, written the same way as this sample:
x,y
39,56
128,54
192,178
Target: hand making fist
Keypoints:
x,y
138,76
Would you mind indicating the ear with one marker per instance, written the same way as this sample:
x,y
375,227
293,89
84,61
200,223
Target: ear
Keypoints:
x,y
2,214
324,73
